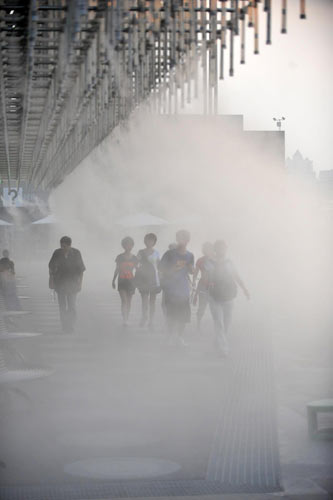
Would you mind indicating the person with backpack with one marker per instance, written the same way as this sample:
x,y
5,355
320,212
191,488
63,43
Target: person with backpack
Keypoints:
x,y
66,269
204,266
147,279
224,282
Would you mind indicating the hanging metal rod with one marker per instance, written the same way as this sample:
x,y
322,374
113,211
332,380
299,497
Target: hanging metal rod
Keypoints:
x,y
108,58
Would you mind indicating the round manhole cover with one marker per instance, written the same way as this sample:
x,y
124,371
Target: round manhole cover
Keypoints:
x,y
121,468
119,439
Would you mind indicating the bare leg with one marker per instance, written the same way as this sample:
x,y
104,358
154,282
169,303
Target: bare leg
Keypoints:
x,y
125,305
227,308
144,298
180,331
217,312
203,301
152,302
129,303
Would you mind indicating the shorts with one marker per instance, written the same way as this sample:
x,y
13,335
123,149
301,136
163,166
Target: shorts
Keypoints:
x,y
154,289
178,309
127,285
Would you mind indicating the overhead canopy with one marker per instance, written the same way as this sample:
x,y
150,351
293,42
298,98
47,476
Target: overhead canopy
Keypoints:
x,y
36,123
21,216
4,223
50,219
140,220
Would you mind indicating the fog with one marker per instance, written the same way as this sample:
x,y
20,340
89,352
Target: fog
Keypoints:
x,y
205,175
124,393
218,184
121,395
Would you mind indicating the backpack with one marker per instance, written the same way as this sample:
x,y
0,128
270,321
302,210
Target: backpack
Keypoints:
x,y
145,276
223,286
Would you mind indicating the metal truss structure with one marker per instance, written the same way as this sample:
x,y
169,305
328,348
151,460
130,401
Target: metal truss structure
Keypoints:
x,y
72,70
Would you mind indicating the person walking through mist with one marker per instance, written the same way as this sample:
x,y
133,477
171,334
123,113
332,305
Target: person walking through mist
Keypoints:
x,y
66,269
8,283
126,263
175,267
223,284
204,266
6,263
147,278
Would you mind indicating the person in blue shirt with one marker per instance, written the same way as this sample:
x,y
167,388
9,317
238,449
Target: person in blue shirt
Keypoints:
x,y
175,267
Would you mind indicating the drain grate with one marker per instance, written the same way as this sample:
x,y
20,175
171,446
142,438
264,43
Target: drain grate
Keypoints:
x,y
245,448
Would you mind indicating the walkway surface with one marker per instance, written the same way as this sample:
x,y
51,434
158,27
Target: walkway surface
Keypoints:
x,y
125,415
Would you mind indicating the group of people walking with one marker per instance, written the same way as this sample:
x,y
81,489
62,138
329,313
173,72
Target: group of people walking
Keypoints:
x,y
210,281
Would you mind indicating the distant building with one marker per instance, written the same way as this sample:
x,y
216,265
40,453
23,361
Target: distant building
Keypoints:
x,y
300,167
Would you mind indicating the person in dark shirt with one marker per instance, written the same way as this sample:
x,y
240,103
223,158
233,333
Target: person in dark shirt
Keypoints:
x,y
66,273
5,263
175,267
8,283
126,263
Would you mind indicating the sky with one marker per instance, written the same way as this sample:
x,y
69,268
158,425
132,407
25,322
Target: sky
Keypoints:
x,y
293,77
